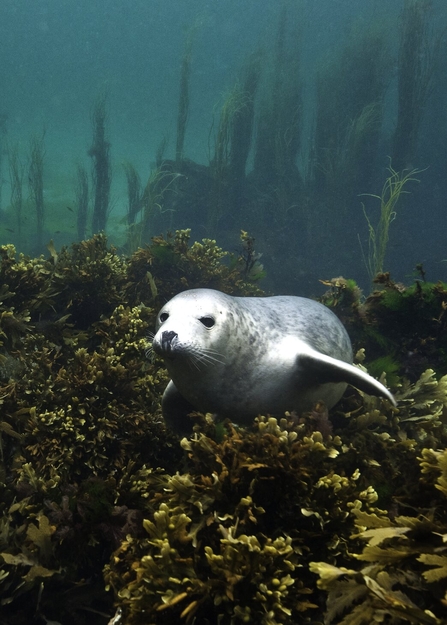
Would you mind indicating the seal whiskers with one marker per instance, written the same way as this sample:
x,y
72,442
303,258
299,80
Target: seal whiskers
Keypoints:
x,y
149,351
207,357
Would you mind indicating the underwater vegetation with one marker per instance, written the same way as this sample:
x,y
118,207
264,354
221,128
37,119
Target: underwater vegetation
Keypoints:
x,y
304,196
107,517
183,103
418,49
76,395
35,182
81,201
403,327
16,173
290,172
393,188
102,174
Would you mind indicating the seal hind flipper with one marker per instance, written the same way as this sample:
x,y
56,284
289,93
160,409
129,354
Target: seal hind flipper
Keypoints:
x,y
328,369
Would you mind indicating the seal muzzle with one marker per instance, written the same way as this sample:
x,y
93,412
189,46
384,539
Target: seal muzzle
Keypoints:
x,y
167,339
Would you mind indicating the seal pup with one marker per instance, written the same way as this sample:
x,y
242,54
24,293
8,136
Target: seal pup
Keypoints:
x,y
240,357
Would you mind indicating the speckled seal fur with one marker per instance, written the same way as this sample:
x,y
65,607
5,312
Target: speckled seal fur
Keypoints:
x,y
239,357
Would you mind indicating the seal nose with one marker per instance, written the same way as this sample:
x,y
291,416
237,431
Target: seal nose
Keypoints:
x,y
166,340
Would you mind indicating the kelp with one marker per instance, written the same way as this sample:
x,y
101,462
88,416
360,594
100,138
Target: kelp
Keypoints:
x,y
78,401
405,323
106,515
234,537
393,585
211,550
405,576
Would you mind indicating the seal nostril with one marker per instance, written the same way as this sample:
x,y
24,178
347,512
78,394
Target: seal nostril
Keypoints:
x,y
167,338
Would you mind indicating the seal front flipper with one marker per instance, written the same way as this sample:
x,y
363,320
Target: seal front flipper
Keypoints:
x,y
175,410
327,369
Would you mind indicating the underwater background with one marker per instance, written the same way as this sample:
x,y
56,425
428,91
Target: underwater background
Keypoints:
x,y
280,118
255,147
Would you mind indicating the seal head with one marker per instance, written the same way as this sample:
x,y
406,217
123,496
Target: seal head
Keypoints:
x,y
240,357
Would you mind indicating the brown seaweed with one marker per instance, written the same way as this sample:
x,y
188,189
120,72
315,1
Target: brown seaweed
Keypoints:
x,y
106,515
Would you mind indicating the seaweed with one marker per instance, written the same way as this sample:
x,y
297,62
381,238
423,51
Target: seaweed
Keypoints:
x,y
210,549
387,365
418,52
404,323
176,265
133,192
393,188
393,582
226,146
35,183
183,105
80,413
106,515
16,173
81,193
221,543
102,173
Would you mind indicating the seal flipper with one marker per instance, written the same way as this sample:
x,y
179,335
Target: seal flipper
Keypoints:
x,y
175,410
327,369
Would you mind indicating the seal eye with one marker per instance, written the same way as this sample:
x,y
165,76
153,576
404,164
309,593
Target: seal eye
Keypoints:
x,y
208,322
163,317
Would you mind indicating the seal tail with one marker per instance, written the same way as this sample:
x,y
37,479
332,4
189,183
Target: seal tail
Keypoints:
x,y
333,370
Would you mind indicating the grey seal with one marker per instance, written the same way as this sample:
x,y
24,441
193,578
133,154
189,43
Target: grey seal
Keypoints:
x,y
240,357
